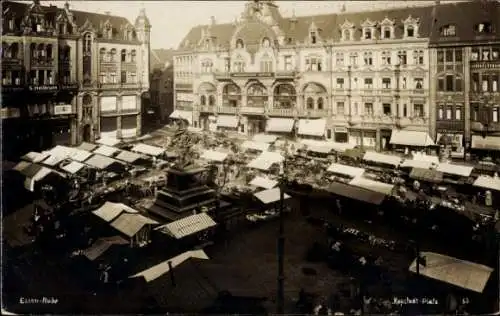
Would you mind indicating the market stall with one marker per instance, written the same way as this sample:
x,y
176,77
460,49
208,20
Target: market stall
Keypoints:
x,y
265,161
345,172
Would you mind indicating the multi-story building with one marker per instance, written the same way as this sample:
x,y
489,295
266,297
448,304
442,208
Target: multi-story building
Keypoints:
x,y
162,83
69,76
465,56
361,74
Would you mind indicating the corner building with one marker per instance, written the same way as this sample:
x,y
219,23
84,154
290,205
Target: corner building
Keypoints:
x,y
70,76
363,74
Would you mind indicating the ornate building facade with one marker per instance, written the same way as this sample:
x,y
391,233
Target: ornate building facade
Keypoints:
x,y
360,74
69,76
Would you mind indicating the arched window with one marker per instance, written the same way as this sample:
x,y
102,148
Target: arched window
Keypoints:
x,y
87,100
113,55
33,50
132,56
123,55
310,103
49,51
347,35
211,100
239,43
203,100
320,103
87,43
102,54
266,42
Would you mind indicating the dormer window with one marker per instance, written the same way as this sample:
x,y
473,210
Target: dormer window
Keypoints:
x,y
448,30
387,28
386,32
483,28
11,24
411,27
346,35
266,42
239,43
368,30
347,31
313,37
367,33
410,31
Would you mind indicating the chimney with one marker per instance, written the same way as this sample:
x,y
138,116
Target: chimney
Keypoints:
x,y
342,8
66,5
212,20
107,12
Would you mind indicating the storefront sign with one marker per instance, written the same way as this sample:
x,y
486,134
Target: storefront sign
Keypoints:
x,y
340,129
43,88
185,86
10,113
63,109
485,65
253,74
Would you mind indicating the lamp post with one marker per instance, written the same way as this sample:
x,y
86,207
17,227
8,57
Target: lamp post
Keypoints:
x,y
280,304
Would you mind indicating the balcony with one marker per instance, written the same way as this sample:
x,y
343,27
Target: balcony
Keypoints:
x,y
11,62
282,112
228,110
109,86
450,125
44,88
222,76
314,113
418,91
42,62
69,86
131,85
205,108
252,110
184,108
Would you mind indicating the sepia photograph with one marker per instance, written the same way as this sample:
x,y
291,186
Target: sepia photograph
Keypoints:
x,y
250,157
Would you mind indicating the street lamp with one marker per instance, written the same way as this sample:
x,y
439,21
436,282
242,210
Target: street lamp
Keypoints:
x,y
280,308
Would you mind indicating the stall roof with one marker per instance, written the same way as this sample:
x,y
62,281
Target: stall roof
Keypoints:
x,y
454,169
69,152
410,163
160,269
101,245
265,160
109,141
372,185
21,166
487,143
428,175
35,156
263,182
356,193
270,196
128,156
73,167
319,149
101,162
106,150
485,182
464,274
87,146
382,158
253,145
411,138
148,149
314,127
183,115
53,160
280,125
109,211
213,155
227,121
187,226
264,138
350,171
130,224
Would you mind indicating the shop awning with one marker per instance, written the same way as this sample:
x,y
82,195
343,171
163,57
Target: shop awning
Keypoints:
x,y
106,150
53,160
356,193
458,170
345,170
213,155
73,167
382,158
69,152
312,127
101,162
182,115
129,156
265,160
372,185
87,146
109,211
411,138
253,145
101,245
339,147
263,182
109,141
187,226
130,224
410,163
464,274
21,166
148,150
34,156
427,175
264,138
487,143
490,183
279,125
270,196
160,269
227,121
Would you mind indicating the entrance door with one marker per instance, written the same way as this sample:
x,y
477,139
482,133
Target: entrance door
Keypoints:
x,y
86,133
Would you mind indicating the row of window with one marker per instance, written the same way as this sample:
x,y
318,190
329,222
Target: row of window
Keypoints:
x,y
111,77
387,109
450,83
386,83
448,112
490,115
16,78
485,82
485,53
449,56
210,100
482,28
125,57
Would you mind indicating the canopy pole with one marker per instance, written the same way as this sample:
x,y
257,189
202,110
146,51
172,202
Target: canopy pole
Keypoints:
x,y
280,308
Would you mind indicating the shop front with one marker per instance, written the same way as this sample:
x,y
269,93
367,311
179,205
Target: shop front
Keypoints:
x,y
129,126
109,127
341,135
366,139
227,123
255,125
385,140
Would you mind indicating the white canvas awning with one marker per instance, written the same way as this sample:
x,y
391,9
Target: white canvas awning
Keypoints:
x,y
213,155
265,160
53,160
69,152
319,149
372,185
109,211
35,156
464,274
73,167
312,127
31,179
263,182
264,138
130,224
109,141
487,183
183,115
487,143
411,163
160,269
382,158
148,150
248,144
187,226
227,121
280,125
340,147
129,156
345,170
101,162
411,138
458,170
87,146
105,150
270,196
